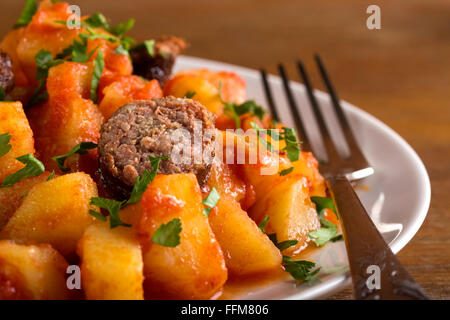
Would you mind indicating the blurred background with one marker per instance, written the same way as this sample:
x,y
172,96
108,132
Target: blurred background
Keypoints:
x,y
400,74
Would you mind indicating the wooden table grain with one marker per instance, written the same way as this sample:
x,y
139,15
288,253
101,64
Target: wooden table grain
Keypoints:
x,y
400,74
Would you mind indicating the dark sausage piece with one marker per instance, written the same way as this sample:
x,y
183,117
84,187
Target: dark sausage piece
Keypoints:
x,y
6,73
150,128
159,66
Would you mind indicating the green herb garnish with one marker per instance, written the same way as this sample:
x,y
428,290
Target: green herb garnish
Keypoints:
x,y
99,65
2,94
113,207
300,270
5,138
292,147
323,203
283,245
286,171
327,232
211,201
50,176
27,14
190,94
263,224
168,234
81,148
143,181
33,167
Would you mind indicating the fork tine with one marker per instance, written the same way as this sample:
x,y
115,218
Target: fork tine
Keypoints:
x,y
332,153
273,109
306,146
353,146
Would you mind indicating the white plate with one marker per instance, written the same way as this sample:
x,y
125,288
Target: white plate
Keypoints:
x,y
397,199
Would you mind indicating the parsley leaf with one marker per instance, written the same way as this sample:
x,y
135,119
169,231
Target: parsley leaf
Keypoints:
x,y
300,270
33,167
211,201
168,234
150,46
2,94
190,94
281,245
286,171
27,14
263,141
122,28
44,61
98,215
113,207
97,20
143,181
99,65
327,232
51,175
263,224
81,148
323,203
292,147
4,143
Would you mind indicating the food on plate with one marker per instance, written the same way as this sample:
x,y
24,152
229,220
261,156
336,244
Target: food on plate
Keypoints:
x,y
159,127
34,272
154,59
151,185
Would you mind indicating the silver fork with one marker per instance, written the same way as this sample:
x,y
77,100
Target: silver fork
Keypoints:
x,y
369,255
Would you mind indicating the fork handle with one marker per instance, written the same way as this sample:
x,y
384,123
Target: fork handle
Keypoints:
x,y
366,247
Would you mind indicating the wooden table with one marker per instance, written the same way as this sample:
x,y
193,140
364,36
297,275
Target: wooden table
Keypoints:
x,y
400,74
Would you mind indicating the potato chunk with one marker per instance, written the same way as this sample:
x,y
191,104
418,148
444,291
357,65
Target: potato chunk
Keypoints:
x,y
111,263
12,197
54,212
195,269
246,249
292,214
14,122
31,272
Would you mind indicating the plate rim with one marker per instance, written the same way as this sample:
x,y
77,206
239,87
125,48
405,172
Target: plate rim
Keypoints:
x,y
337,284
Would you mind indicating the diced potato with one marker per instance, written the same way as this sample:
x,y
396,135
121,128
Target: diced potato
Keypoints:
x,y
111,263
292,214
195,269
308,166
14,122
44,33
125,90
54,212
226,181
246,249
35,272
68,118
205,84
12,197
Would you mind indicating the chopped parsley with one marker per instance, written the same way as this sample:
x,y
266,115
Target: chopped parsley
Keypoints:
x,y
81,148
50,176
99,65
286,171
211,201
33,167
97,20
263,224
150,47
190,94
283,245
328,230
292,147
264,142
114,206
234,110
301,270
143,181
168,234
5,138
2,94
27,14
